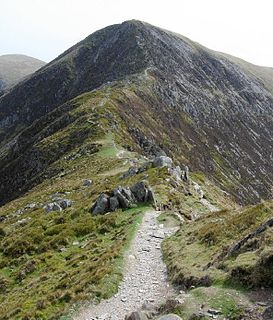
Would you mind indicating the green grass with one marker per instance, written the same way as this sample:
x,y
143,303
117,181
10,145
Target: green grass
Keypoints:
x,y
230,303
78,260
63,258
58,260
198,250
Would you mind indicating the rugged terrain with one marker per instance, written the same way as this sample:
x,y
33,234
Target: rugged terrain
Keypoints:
x,y
94,119
203,108
15,67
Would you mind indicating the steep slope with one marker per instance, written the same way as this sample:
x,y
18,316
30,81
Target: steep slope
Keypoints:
x,y
14,67
50,261
108,54
74,128
168,93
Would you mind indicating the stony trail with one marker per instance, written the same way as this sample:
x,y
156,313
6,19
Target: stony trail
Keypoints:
x,y
145,277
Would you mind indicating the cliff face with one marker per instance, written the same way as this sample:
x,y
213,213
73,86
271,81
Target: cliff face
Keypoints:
x,y
206,109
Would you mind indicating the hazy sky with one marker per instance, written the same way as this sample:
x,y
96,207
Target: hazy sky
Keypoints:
x,y
45,28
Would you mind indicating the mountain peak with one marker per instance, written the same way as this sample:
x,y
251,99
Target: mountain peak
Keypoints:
x,y
211,89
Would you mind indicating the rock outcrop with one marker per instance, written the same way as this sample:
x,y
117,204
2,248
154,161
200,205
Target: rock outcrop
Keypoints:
x,y
162,161
123,198
59,204
196,107
101,205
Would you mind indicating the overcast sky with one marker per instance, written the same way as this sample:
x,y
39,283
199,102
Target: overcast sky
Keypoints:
x,y
45,28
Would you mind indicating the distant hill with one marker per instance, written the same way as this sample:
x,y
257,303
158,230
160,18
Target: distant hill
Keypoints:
x,y
14,67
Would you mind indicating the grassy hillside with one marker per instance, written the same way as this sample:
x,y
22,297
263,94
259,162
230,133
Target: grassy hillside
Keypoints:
x,y
209,249
50,261
183,101
14,67
224,261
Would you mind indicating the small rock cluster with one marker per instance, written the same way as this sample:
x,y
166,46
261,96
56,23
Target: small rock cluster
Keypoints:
x,y
159,162
124,198
58,203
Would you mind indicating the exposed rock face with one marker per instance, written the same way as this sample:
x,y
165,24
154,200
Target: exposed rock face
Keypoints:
x,y
59,204
211,109
114,203
162,161
101,205
176,172
124,198
239,245
83,67
148,145
140,191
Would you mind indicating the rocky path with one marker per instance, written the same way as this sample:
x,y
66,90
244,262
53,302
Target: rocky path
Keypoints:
x,y
145,278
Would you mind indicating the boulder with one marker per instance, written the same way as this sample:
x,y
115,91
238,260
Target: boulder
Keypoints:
x,y
140,191
170,316
143,193
114,204
64,203
101,205
53,206
176,173
137,315
198,189
128,194
162,161
87,182
125,197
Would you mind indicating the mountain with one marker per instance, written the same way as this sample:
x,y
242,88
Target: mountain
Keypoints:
x,y
203,108
14,67
98,122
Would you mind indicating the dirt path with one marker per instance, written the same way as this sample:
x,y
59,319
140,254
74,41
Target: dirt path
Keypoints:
x,y
145,277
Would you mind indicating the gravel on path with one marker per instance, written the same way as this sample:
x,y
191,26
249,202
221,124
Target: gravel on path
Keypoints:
x,y
145,276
